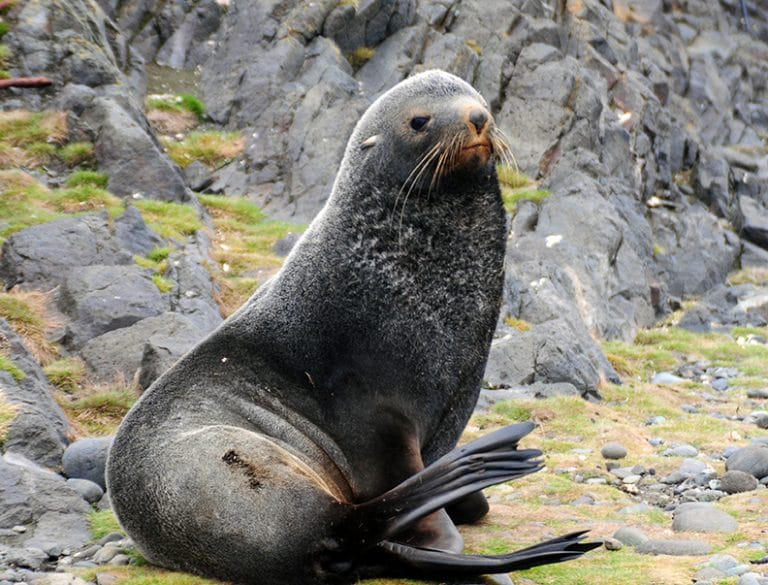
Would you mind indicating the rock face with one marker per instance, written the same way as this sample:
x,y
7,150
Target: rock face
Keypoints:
x,y
40,430
100,81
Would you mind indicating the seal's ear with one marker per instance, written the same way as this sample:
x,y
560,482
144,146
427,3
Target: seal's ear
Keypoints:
x,y
368,142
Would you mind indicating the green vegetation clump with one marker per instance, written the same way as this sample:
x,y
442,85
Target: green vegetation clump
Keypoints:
x,y
7,365
212,148
517,187
163,284
7,414
5,55
244,240
67,374
512,198
77,153
100,412
4,28
171,220
159,254
178,103
360,56
103,523
27,313
86,177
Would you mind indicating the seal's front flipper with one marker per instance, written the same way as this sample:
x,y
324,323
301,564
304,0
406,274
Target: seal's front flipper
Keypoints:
x,y
414,562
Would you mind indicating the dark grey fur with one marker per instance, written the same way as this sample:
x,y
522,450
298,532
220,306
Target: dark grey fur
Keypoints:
x,y
358,364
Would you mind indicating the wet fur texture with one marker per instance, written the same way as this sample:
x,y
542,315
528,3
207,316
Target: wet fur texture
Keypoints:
x,y
355,367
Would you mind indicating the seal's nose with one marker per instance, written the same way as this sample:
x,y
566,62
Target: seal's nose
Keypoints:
x,y
479,119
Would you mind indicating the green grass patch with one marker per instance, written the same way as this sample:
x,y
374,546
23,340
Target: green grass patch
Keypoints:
x,y
86,177
164,285
212,148
8,413
640,361
67,374
8,365
171,220
77,153
4,28
511,178
159,254
513,198
360,56
5,55
86,197
513,411
144,574
103,523
178,103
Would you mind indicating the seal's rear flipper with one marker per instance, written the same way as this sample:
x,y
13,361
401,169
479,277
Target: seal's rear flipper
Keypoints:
x,y
487,461
415,562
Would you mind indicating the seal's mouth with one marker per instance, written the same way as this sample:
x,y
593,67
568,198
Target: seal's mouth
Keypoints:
x,y
478,151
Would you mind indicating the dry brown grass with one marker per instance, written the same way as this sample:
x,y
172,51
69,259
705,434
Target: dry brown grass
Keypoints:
x,y
32,316
167,122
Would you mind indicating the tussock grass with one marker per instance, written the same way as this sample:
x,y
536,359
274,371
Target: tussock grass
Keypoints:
x,y
8,365
8,412
243,241
67,374
103,523
212,148
30,316
97,411
177,103
86,177
175,221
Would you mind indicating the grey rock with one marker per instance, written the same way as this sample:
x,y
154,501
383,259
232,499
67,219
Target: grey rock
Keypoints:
x,y
27,558
86,459
133,233
681,451
106,554
40,429
674,547
187,47
127,151
752,579
758,393
104,298
42,256
719,384
703,517
666,378
198,176
54,513
90,491
755,221
142,351
631,536
752,459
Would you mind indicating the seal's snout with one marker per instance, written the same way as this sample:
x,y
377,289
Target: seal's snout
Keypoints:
x,y
478,119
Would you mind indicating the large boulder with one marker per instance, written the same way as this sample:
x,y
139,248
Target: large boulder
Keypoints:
x,y
55,515
101,298
40,430
41,256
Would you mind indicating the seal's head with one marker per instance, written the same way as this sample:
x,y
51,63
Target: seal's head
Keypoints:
x,y
429,127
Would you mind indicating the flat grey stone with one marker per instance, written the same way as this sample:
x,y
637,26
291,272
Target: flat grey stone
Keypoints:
x,y
703,517
613,451
630,536
674,547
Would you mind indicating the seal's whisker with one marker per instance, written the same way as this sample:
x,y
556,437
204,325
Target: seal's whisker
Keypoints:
x,y
505,143
423,162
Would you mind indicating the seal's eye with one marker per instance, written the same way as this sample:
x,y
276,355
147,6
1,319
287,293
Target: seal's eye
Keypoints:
x,y
419,123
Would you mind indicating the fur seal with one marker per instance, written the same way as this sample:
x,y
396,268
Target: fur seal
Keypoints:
x,y
311,438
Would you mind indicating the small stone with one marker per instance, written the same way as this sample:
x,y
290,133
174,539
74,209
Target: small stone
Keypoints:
x,y
674,478
655,420
613,451
681,451
596,481
736,482
667,378
106,554
621,472
752,579
26,558
120,560
19,529
612,544
719,384
631,479
693,467
675,547
90,491
656,442
583,501
630,536
757,393
690,409
111,537
702,517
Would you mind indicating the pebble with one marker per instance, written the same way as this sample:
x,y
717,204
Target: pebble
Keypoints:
x,y
719,384
596,481
693,467
90,491
667,378
703,517
106,554
656,442
752,579
655,420
612,544
631,479
613,451
757,393
736,482
681,451
630,536
690,409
